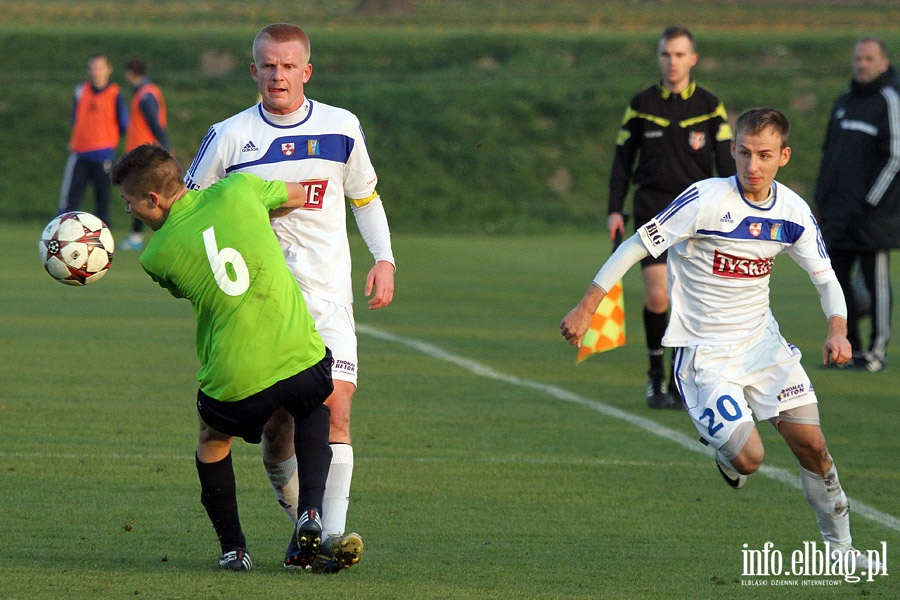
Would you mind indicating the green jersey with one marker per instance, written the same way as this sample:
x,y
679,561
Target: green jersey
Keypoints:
x,y
218,250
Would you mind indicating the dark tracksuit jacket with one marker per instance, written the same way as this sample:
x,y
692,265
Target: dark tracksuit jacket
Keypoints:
x,y
858,189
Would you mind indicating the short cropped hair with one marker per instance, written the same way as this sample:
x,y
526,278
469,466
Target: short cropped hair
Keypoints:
x,y
136,65
676,31
281,32
147,168
877,41
754,120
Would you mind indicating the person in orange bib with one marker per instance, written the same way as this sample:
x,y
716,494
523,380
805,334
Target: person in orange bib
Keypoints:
x,y
147,124
99,119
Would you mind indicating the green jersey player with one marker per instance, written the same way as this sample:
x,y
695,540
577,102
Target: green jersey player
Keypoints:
x,y
288,136
257,344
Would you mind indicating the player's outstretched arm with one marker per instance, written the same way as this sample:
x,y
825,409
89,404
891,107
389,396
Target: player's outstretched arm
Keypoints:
x,y
380,284
296,195
575,324
296,199
837,348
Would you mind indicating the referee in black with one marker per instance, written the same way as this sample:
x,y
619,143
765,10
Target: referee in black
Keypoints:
x,y
673,134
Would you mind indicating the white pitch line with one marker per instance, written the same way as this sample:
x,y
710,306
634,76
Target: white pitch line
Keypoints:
x,y
775,473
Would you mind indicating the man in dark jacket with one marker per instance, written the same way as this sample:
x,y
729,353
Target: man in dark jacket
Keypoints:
x,y
858,193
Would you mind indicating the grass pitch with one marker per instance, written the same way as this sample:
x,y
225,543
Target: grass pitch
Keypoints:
x,y
488,465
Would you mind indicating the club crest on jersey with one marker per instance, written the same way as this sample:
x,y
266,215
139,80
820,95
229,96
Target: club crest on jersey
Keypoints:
x,y
697,139
755,229
288,148
727,265
312,148
775,232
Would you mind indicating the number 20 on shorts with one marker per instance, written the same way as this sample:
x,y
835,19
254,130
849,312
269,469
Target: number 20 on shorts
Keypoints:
x,y
728,410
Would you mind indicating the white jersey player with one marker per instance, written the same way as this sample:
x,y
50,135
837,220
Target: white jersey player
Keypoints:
x,y
722,248
323,148
727,263
723,236
289,137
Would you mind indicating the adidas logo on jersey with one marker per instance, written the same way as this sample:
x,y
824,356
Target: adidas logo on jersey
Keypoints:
x,y
250,147
726,218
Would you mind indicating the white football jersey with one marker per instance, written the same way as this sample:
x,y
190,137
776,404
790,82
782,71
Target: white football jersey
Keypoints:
x,y
721,252
320,146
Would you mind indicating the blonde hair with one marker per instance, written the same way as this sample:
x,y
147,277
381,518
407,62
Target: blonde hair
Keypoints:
x,y
281,32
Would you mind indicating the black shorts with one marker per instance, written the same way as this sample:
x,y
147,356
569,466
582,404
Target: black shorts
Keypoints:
x,y
654,260
299,395
648,204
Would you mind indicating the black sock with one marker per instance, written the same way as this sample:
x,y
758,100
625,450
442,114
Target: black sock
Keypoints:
x,y
654,329
218,495
313,456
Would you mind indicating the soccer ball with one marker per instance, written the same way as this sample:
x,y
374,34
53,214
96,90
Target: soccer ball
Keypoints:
x,y
76,248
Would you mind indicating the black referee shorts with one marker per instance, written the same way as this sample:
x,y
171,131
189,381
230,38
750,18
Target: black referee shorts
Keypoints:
x,y
299,395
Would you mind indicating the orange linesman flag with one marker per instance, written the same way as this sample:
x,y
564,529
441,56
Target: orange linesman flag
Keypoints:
x,y
607,328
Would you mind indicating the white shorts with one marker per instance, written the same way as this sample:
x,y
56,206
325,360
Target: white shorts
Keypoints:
x,y
336,325
724,386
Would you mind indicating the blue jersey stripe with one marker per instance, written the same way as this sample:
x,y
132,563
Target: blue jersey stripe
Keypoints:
x,y
677,204
820,241
754,228
204,145
331,147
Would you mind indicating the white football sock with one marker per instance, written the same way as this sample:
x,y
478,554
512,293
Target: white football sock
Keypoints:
x,y
828,501
286,485
337,491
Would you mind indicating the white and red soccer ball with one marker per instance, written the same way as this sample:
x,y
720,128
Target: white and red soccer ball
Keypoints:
x,y
76,248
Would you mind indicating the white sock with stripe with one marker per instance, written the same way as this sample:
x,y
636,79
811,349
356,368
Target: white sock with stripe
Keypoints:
x,y
286,484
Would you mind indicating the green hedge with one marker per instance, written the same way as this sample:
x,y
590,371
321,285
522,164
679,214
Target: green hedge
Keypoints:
x,y
489,132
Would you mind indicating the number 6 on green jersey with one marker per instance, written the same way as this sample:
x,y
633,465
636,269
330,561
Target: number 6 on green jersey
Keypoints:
x,y
233,281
